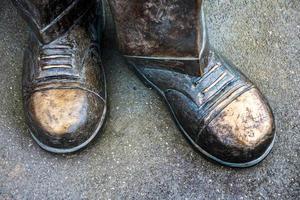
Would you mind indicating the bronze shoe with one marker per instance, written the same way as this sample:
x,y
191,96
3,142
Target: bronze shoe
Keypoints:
x,y
218,109
64,86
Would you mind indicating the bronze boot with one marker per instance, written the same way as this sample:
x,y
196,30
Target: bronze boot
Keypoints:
x,y
64,86
218,109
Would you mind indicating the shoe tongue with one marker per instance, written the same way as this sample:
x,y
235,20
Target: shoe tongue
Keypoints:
x,y
50,19
49,10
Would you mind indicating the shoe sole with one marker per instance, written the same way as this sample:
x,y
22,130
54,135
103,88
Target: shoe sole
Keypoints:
x,y
201,150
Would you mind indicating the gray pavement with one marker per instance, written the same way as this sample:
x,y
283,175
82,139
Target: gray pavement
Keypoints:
x,y
141,154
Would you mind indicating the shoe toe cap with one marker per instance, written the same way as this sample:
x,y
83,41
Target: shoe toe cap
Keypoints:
x,y
64,119
243,131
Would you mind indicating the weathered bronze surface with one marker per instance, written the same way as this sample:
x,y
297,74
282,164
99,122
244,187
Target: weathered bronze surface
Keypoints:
x,y
64,84
161,29
217,108
157,28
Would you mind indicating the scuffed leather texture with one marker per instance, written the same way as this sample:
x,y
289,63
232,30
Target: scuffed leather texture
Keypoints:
x,y
64,86
200,105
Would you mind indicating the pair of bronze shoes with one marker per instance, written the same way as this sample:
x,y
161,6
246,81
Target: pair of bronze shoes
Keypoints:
x,y
221,113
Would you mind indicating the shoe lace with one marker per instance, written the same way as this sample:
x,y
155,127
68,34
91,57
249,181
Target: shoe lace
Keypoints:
x,y
198,80
56,56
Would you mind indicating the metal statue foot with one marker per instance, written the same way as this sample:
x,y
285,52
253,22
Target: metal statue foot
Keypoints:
x,y
218,109
64,86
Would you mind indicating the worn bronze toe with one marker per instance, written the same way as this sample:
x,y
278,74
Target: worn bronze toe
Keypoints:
x,y
63,120
242,133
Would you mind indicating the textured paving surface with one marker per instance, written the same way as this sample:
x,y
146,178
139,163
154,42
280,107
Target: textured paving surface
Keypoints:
x,y
141,154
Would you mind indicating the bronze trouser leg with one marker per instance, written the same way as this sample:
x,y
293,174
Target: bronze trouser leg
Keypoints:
x,y
51,18
160,29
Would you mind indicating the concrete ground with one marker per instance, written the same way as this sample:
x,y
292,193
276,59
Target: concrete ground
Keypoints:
x,y
141,154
